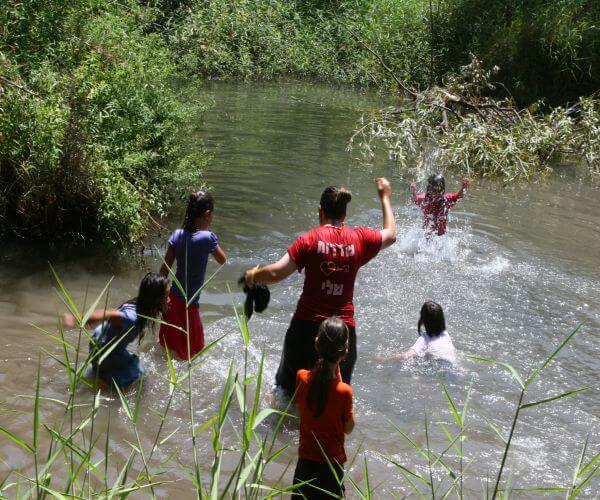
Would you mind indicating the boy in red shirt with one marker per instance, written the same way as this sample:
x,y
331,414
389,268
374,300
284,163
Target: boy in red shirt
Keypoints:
x,y
325,408
435,204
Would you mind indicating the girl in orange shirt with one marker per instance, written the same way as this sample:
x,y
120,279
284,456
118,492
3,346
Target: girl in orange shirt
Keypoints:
x,y
325,407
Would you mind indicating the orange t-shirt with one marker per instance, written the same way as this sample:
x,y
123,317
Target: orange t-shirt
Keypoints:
x,y
328,428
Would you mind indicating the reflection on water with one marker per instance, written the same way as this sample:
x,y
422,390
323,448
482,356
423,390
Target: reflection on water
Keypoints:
x,y
518,269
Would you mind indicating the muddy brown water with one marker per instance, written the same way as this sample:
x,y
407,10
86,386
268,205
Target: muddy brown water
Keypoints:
x,y
518,270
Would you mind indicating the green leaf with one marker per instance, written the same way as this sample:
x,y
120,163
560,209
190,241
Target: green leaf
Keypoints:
x,y
535,374
92,308
554,398
453,409
589,465
69,301
16,440
513,372
124,402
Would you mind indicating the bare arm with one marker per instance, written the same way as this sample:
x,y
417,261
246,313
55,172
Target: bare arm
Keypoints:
x,y
272,273
397,357
110,315
463,188
388,233
168,262
349,425
219,255
413,191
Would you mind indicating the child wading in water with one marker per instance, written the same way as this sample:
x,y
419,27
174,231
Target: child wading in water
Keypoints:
x,y
325,406
190,247
435,204
434,341
122,326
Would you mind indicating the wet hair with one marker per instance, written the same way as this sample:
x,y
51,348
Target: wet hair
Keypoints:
x,y
198,203
332,345
432,317
334,200
150,300
436,184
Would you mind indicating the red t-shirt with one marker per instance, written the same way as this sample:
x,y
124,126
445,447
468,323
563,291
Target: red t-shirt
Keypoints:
x,y
331,256
327,429
435,212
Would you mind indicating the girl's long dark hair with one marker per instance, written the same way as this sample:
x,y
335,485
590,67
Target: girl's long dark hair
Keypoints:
x,y
334,200
198,203
432,317
150,300
332,344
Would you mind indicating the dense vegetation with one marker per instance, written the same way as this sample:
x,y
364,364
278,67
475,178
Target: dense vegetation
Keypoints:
x,y
548,50
89,122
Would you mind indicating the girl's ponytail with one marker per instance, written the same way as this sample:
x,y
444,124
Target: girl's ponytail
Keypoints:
x,y
198,203
332,345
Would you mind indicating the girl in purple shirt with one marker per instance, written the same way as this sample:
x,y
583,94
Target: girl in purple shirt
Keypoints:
x,y
190,247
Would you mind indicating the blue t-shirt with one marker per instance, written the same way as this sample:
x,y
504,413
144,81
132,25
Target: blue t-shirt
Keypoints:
x,y
120,367
126,332
191,253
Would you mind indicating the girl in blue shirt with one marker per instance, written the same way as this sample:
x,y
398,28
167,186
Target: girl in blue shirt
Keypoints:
x,y
122,326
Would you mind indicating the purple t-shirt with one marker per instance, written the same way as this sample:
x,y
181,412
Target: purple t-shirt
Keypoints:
x,y
193,249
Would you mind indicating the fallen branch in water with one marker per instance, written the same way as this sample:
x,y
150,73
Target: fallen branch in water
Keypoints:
x,y
479,134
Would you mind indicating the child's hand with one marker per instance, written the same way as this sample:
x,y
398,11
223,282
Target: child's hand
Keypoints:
x,y
466,181
68,320
384,188
413,186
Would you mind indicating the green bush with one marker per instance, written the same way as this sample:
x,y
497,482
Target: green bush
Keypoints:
x,y
545,49
89,122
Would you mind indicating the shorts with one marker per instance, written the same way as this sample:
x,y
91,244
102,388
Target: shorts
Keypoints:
x,y
299,353
121,368
176,340
321,476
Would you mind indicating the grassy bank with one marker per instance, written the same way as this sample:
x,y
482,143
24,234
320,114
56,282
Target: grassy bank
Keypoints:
x,y
90,124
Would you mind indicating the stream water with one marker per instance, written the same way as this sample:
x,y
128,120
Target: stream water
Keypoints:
x,y
518,270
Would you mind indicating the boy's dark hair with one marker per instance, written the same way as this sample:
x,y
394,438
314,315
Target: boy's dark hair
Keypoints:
x,y
432,317
332,344
334,200
436,184
198,203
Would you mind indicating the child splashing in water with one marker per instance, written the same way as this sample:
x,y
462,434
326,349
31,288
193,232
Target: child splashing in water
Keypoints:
x,y
435,204
122,326
434,341
325,407
190,247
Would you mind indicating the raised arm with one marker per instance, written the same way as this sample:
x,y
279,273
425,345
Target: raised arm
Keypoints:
x,y
463,187
272,273
413,191
388,233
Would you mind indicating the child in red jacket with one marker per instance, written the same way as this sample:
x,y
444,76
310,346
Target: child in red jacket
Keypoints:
x,y
435,203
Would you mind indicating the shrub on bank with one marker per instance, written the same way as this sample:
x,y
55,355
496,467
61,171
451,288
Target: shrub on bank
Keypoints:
x,y
545,49
90,125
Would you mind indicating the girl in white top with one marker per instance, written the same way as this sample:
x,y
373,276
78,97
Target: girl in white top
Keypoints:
x,y
434,341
